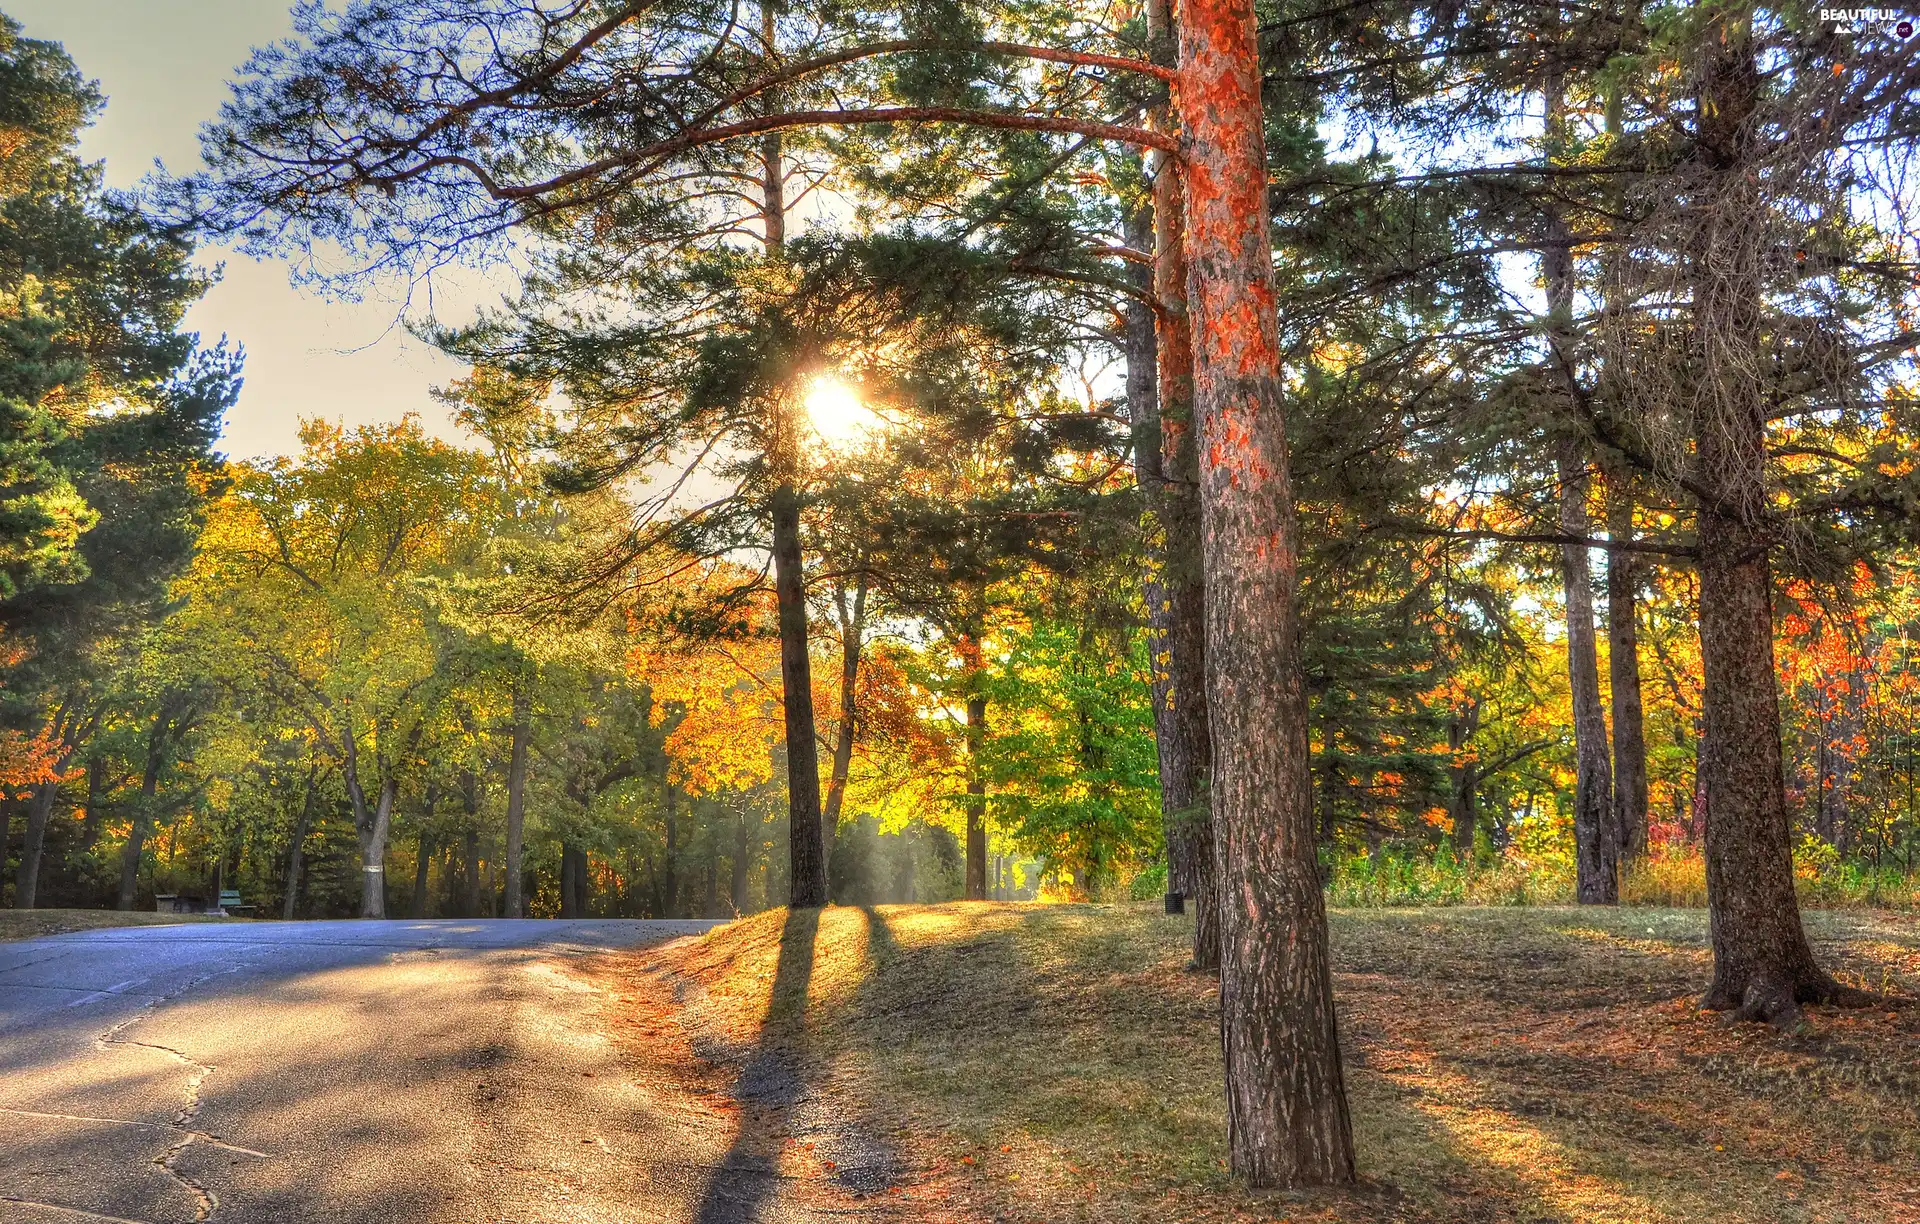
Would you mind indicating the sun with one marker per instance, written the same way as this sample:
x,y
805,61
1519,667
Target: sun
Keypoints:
x,y
837,415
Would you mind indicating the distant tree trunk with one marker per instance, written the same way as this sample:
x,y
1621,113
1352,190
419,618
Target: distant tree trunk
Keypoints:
x,y
670,857
976,799
470,797
422,858
296,852
1596,849
517,797
372,821
470,876
1623,668
26,882
573,880
1463,799
423,855
1763,967
1180,706
132,852
91,806
853,628
743,857
1286,1098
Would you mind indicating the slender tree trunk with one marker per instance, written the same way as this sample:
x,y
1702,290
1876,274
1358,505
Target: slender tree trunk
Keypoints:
x,y
296,852
1623,668
573,881
670,857
470,876
1286,1097
1763,967
26,883
807,851
853,628
470,844
422,859
1180,704
976,799
517,796
806,848
132,852
742,864
90,820
1596,846
1596,849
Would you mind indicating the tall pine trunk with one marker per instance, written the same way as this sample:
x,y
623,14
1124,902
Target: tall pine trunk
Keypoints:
x,y
1623,671
516,905
807,851
1596,846
1595,841
1180,696
1763,967
976,798
1286,1098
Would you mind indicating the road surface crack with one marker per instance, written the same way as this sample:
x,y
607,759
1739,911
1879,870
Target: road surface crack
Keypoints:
x,y
206,1137
206,1201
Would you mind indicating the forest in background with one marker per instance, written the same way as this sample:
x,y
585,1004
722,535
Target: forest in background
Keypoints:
x,y
538,669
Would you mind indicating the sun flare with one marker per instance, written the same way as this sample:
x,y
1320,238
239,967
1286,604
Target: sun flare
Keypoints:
x,y
837,415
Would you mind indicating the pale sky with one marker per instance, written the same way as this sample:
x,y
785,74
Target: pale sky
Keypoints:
x,y
164,65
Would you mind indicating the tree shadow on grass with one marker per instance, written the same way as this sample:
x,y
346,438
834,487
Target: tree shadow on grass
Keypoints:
x,y
767,1088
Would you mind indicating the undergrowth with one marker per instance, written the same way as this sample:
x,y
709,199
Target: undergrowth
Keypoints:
x,y
1673,875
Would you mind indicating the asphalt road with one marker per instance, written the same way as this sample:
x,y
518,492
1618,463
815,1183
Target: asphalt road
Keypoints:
x,y
444,1072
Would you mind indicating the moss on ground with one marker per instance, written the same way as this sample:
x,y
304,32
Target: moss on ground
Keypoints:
x,y
1057,1063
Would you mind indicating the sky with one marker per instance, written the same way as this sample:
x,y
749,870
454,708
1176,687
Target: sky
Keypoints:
x,y
164,66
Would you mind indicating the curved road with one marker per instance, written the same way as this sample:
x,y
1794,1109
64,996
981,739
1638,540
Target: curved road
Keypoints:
x,y
443,1072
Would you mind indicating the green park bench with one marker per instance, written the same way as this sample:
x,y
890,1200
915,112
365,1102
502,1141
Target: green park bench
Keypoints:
x,y
230,903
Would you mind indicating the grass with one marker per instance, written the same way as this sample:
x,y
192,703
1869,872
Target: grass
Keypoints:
x,y
1056,1063
32,924
1672,875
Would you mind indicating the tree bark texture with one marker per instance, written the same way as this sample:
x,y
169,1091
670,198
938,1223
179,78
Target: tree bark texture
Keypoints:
x,y
1463,777
976,799
1596,845
1763,967
1180,698
1287,1116
143,813
516,904
853,629
26,880
807,855
1623,671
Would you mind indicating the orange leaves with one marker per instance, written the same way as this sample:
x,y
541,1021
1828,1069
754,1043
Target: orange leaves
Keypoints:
x,y
27,760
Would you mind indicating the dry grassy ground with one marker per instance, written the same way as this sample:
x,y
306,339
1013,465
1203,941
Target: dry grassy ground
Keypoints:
x,y
1030,1063
32,924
